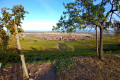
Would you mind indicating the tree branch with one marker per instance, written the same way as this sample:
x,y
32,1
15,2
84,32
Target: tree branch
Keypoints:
x,y
112,10
96,24
111,17
117,14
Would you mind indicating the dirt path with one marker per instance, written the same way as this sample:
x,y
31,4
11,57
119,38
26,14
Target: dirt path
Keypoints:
x,y
41,72
58,46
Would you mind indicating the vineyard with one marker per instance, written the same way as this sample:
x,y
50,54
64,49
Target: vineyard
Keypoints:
x,y
47,53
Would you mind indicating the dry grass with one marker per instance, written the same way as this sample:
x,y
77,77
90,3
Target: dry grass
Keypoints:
x,y
91,68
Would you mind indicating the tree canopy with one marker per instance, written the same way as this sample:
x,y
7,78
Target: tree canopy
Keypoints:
x,y
7,20
82,13
8,15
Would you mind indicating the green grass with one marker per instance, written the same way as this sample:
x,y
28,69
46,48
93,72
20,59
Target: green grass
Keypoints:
x,y
62,64
44,51
32,44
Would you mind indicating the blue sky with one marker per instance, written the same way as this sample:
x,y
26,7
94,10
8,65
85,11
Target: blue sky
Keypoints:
x,y
43,14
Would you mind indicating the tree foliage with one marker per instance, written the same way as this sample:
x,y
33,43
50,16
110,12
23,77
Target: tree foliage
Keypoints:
x,y
82,13
20,30
7,20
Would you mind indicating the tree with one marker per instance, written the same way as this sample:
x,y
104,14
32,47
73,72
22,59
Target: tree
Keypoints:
x,y
20,30
11,21
84,13
7,19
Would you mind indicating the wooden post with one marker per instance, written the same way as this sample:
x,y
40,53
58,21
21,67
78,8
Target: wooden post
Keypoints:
x,y
25,72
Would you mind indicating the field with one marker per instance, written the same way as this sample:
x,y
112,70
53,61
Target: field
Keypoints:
x,y
62,56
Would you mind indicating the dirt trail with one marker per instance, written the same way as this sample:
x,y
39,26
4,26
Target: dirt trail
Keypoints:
x,y
41,72
58,46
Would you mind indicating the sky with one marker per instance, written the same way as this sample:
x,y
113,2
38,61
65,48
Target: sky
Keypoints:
x,y
43,14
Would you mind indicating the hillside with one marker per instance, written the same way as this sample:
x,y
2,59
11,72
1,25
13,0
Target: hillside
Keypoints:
x,y
91,68
81,68
62,59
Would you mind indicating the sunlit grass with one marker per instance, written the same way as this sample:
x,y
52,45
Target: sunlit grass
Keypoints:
x,y
44,50
32,44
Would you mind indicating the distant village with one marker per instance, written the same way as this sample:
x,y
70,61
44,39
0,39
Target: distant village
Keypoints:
x,y
65,37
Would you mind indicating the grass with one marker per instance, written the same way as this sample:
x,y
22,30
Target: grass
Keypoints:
x,y
32,44
45,51
62,64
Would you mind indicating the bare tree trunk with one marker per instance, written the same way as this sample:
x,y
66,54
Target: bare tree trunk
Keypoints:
x,y
101,43
97,42
25,72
